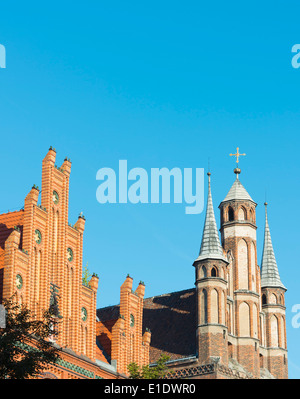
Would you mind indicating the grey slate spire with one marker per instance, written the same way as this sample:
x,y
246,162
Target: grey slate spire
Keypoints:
x,y
269,270
210,246
237,191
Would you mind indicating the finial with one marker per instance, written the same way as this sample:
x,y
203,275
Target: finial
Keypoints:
x,y
266,211
81,215
237,170
266,204
208,174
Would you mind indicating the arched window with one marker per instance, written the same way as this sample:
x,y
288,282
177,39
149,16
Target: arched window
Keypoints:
x,y
214,272
261,360
242,214
243,280
230,214
264,299
282,324
262,331
203,272
214,306
244,319
274,332
86,340
70,290
230,350
273,299
253,267
203,307
223,308
37,276
255,321
55,230
228,320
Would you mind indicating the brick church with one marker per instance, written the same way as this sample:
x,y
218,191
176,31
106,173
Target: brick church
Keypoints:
x,y
41,260
231,325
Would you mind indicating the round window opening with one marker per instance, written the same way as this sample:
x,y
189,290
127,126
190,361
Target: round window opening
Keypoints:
x,y
131,320
55,197
38,236
69,254
19,281
83,314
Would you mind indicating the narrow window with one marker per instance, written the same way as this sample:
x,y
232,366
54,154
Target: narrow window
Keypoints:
x,y
242,214
203,307
230,214
214,272
203,272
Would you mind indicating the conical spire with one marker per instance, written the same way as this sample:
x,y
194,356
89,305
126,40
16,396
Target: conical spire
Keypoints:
x,y
269,270
210,246
237,191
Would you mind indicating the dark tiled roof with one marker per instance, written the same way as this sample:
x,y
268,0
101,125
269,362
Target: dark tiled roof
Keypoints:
x,y
171,319
107,319
108,313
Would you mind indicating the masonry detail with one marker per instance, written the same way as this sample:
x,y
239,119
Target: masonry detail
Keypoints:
x,y
41,264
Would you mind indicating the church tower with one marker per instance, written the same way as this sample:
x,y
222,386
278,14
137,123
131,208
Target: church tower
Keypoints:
x,y
238,234
273,306
211,288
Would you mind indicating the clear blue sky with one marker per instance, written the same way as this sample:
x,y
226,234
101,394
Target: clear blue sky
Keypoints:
x,y
169,84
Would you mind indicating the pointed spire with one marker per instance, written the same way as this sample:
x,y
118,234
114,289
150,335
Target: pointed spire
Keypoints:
x,y
269,270
237,191
210,246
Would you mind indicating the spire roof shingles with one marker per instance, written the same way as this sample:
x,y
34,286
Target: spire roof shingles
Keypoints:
x,y
269,270
237,192
210,247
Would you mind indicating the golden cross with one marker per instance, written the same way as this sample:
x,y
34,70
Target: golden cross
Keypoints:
x,y
237,155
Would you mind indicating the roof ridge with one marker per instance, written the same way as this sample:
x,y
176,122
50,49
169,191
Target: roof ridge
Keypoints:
x,y
169,293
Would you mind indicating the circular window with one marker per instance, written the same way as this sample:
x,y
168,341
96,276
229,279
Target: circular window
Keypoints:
x,y
83,314
69,254
131,320
55,197
38,236
19,281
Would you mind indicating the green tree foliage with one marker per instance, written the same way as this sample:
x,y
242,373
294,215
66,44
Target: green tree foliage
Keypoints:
x,y
146,372
86,275
24,346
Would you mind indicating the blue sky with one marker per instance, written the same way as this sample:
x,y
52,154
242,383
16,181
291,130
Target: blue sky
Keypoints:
x,y
161,84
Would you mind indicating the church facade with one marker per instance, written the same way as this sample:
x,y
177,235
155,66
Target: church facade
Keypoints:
x,y
41,265
230,325
233,323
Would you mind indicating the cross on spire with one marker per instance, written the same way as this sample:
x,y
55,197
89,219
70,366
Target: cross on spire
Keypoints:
x,y
237,155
